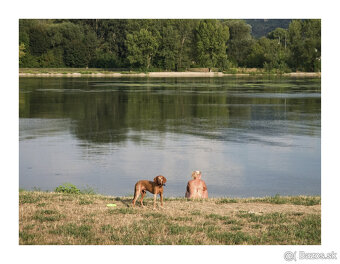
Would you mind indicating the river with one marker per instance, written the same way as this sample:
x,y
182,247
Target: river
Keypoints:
x,y
250,137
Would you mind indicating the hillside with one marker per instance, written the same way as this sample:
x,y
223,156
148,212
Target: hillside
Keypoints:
x,y
261,27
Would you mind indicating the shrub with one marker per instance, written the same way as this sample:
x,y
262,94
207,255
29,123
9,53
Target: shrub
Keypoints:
x,y
67,188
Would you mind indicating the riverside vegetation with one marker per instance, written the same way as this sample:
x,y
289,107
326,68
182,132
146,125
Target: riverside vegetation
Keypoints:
x,y
168,44
74,217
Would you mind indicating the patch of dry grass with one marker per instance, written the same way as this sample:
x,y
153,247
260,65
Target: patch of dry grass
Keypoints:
x,y
55,218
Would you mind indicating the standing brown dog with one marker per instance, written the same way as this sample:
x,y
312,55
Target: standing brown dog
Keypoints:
x,y
155,187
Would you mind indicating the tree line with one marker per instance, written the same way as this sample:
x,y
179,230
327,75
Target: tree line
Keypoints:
x,y
167,44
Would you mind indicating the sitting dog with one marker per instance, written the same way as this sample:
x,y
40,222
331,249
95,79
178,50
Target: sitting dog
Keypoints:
x,y
155,187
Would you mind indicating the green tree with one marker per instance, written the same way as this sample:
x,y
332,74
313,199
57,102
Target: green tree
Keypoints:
x,y
53,58
186,29
256,56
39,41
104,59
142,47
305,44
295,44
75,54
240,42
170,44
24,28
280,35
76,43
211,39
269,54
169,48
312,35
21,51
110,37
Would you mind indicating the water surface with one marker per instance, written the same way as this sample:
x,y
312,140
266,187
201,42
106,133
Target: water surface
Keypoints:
x,y
249,136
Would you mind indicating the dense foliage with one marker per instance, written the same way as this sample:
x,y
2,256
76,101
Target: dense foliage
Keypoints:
x,y
167,44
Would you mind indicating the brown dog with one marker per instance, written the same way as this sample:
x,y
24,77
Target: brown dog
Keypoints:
x,y
155,187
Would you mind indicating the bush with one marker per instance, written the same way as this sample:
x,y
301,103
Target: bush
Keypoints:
x,y
67,188
52,59
29,61
317,65
105,60
75,54
276,67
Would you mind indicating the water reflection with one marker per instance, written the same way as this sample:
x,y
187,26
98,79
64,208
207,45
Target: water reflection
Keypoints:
x,y
112,129
194,107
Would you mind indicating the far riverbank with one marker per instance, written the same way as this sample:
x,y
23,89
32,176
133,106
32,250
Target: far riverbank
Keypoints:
x,y
82,72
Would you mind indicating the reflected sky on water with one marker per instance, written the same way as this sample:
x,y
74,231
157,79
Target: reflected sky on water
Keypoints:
x,y
249,136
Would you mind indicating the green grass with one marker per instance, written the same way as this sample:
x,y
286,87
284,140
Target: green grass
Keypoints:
x,y
28,197
216,217
82,234
26,238
277,199
64,218
232,238
271,218
121,211
47,215
226,200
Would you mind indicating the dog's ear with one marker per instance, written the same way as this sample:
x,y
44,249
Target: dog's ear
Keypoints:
x,y
164,179
155,180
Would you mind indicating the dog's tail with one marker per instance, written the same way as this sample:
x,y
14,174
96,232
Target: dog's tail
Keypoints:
x,y
135,194
137,187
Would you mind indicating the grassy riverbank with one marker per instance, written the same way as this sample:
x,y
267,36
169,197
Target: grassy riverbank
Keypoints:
x,y
59,218
96,72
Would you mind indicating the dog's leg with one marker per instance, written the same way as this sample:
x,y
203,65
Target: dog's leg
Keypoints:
x,y
142,197
154,201
161,197
135,199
